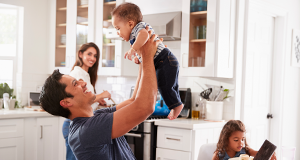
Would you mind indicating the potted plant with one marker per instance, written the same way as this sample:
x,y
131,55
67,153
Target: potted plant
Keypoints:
x,y
4,88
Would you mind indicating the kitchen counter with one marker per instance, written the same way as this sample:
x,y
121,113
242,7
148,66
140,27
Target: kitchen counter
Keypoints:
x,y
188,123
22,113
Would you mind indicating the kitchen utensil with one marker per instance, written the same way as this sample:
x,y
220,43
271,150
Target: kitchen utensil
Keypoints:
x,y
205,94
112,100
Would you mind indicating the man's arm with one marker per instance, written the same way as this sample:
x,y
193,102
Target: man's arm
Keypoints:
x,y
132,98
143,106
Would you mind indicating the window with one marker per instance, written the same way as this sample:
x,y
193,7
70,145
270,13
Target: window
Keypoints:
x,y
9,27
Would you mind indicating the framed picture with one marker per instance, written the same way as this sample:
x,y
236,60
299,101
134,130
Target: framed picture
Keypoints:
x,y
296,48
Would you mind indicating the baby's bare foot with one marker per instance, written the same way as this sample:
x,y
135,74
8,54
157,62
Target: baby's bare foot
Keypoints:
x,y
175,112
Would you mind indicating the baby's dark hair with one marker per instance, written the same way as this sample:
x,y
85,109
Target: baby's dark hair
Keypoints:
x,y
230,127
128,11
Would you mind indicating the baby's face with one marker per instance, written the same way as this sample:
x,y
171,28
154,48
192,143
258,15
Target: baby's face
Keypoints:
x,y
123,28
236,141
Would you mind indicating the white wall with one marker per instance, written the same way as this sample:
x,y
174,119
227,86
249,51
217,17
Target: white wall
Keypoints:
x,y
35,45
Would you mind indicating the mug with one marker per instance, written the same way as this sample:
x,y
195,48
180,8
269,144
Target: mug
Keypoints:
x,y
12,103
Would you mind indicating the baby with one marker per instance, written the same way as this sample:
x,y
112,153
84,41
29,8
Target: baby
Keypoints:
x,y
127,19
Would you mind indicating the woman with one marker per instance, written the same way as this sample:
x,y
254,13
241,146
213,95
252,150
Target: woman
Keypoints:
x,y
85,69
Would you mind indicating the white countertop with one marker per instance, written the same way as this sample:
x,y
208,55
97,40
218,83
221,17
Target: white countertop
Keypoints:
x,y
188,123
21,113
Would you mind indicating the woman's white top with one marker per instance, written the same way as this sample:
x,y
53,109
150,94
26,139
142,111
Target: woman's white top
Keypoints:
x,y
79,73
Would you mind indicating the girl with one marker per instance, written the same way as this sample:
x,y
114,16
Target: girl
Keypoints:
x,y
232,142
85,69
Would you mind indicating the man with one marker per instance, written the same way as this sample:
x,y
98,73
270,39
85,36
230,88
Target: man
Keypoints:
x,y
99,135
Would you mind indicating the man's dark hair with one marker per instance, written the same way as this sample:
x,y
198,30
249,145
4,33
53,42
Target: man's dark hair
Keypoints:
x,y
128,11
52,93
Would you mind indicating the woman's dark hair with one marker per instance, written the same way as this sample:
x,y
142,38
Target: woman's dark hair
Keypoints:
x,y
52,93
230,127
92,70
128,11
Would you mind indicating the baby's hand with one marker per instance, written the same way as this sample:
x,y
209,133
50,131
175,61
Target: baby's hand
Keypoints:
x,y
129,54
136,60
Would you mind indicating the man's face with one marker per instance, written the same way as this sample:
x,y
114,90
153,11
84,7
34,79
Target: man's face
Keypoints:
x,y
82,96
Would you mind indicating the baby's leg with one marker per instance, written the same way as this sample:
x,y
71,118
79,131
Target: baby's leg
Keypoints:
x,y
175,112
167,81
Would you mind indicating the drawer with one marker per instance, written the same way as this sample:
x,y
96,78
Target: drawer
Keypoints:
x,y
173,138
11,128
167,154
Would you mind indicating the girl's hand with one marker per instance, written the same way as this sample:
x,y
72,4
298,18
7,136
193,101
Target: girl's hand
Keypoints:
x,y
274,156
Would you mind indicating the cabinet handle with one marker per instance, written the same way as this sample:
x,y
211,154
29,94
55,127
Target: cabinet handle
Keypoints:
x,y
41,132
174,139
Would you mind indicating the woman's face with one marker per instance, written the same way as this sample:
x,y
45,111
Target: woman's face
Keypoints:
x,y
89,57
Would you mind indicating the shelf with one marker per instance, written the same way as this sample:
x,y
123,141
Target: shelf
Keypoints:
x,y
62,25
110,3
198,40
200,14
83,6
61,46
108,20
108,44
84,23
62,9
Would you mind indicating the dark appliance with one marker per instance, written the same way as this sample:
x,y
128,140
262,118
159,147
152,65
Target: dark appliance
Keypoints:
x,y
142,138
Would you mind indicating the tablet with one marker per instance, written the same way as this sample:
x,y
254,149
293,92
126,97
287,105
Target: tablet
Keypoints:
x,y
266,151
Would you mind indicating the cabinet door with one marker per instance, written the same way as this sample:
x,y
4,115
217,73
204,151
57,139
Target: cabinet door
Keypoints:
x,y
168,154
207,40
12,148
47,138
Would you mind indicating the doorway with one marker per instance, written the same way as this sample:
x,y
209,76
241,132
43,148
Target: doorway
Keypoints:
x,y
263,72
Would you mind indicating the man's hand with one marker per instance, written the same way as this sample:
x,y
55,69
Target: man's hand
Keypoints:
x,y
149,49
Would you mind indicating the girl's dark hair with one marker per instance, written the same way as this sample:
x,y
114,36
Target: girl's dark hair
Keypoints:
x,y
52,93
128,11
92,70
230,127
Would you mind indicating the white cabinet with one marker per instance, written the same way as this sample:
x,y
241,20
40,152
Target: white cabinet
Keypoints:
x,y
167,154
177,143
47,138
12,139
12,148
111,62
74,22
32,139
213,54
